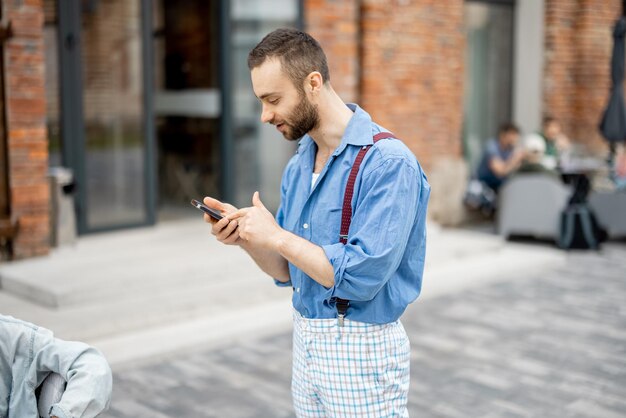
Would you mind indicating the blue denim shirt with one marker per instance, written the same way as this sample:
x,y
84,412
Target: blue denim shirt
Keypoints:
x,y
484,172
29,353
380,268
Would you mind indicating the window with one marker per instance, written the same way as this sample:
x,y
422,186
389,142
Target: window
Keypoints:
x,y
260,152
488,73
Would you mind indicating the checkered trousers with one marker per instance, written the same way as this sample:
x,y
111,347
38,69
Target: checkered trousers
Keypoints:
x,y
358,370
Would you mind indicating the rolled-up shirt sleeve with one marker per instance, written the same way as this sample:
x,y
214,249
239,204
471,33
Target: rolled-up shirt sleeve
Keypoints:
x,y
280,215
382,220
86,371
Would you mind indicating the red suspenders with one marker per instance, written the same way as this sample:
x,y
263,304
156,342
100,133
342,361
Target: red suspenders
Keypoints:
x,y
346,212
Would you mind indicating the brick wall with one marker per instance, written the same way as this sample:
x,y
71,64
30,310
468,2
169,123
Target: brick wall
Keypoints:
x,y
413,72
336,27
578,46
403,61
26,116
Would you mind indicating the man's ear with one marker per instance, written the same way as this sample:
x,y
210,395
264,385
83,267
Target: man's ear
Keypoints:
x,y
313,82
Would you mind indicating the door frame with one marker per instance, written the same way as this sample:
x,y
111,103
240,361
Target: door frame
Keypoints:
x,y
227,149
73,153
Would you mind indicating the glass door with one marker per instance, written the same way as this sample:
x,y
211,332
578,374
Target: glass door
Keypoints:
x,y
187,103
260,154
106,137
488,72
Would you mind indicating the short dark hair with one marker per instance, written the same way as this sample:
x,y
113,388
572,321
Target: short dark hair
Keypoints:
x,y
508,127
549,119
299,54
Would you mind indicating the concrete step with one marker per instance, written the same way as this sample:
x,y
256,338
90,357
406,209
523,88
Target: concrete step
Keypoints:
x,y
127,265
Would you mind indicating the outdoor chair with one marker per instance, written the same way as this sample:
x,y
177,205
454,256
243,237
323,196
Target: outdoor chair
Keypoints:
x,y
610,211
530,204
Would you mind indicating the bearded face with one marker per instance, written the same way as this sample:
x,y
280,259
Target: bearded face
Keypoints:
x,y
302,119
284,103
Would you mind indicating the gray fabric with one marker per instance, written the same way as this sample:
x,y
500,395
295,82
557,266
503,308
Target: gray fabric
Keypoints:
x,y
610,210
531,204
28,354
52,390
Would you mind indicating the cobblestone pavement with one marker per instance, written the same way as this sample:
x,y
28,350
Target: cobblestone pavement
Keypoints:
x,y
544,346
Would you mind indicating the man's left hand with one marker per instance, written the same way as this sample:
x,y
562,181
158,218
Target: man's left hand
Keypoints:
x,y
257,224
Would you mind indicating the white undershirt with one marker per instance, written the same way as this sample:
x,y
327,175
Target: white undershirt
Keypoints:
x,y
314,179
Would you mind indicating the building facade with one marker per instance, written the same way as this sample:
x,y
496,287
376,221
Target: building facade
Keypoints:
x,y
149,102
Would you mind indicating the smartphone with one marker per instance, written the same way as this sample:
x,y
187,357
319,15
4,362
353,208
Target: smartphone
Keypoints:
x,y
211,212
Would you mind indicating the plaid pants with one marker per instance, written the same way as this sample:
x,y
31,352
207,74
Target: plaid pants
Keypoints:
x,y
358,370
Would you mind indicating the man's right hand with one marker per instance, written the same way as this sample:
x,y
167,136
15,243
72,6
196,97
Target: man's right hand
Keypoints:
x,y
225,230
519,155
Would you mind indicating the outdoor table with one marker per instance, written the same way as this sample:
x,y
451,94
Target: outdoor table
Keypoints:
x,y
577,172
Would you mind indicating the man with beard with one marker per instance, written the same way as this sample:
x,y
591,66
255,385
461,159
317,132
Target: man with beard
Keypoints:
x,y
351,246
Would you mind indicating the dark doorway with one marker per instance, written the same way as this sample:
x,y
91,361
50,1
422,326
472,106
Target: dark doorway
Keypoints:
x,y
187,102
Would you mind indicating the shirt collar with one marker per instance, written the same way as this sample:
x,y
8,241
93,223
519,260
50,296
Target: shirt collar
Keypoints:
x,y
358,132
359,129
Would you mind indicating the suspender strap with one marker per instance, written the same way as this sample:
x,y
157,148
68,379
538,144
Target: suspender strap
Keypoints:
x,y
342,308
346,212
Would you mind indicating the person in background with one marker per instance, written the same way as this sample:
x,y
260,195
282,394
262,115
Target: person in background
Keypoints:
x,y
30,354
619,171
556,142
534,150
501,157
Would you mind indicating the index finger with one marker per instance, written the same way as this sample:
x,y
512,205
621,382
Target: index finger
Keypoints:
x,y
237,214
218,205
213,203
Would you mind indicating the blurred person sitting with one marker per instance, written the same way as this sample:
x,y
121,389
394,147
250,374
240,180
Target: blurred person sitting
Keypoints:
x,y
534,150
501,157
557,144
619,168
30,356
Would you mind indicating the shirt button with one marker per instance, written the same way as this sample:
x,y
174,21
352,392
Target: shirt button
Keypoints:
x,y
298,290
305,226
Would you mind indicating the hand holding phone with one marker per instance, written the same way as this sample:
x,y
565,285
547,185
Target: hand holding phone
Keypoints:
x,y
211,212
225,232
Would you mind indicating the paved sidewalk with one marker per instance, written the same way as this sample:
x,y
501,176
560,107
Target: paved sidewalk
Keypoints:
x,y
144,293
194,329
548,343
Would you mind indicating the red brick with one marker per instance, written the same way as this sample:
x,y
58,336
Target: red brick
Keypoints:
x,y
26,126
32,134
578,48
334,24
26,21
407,84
